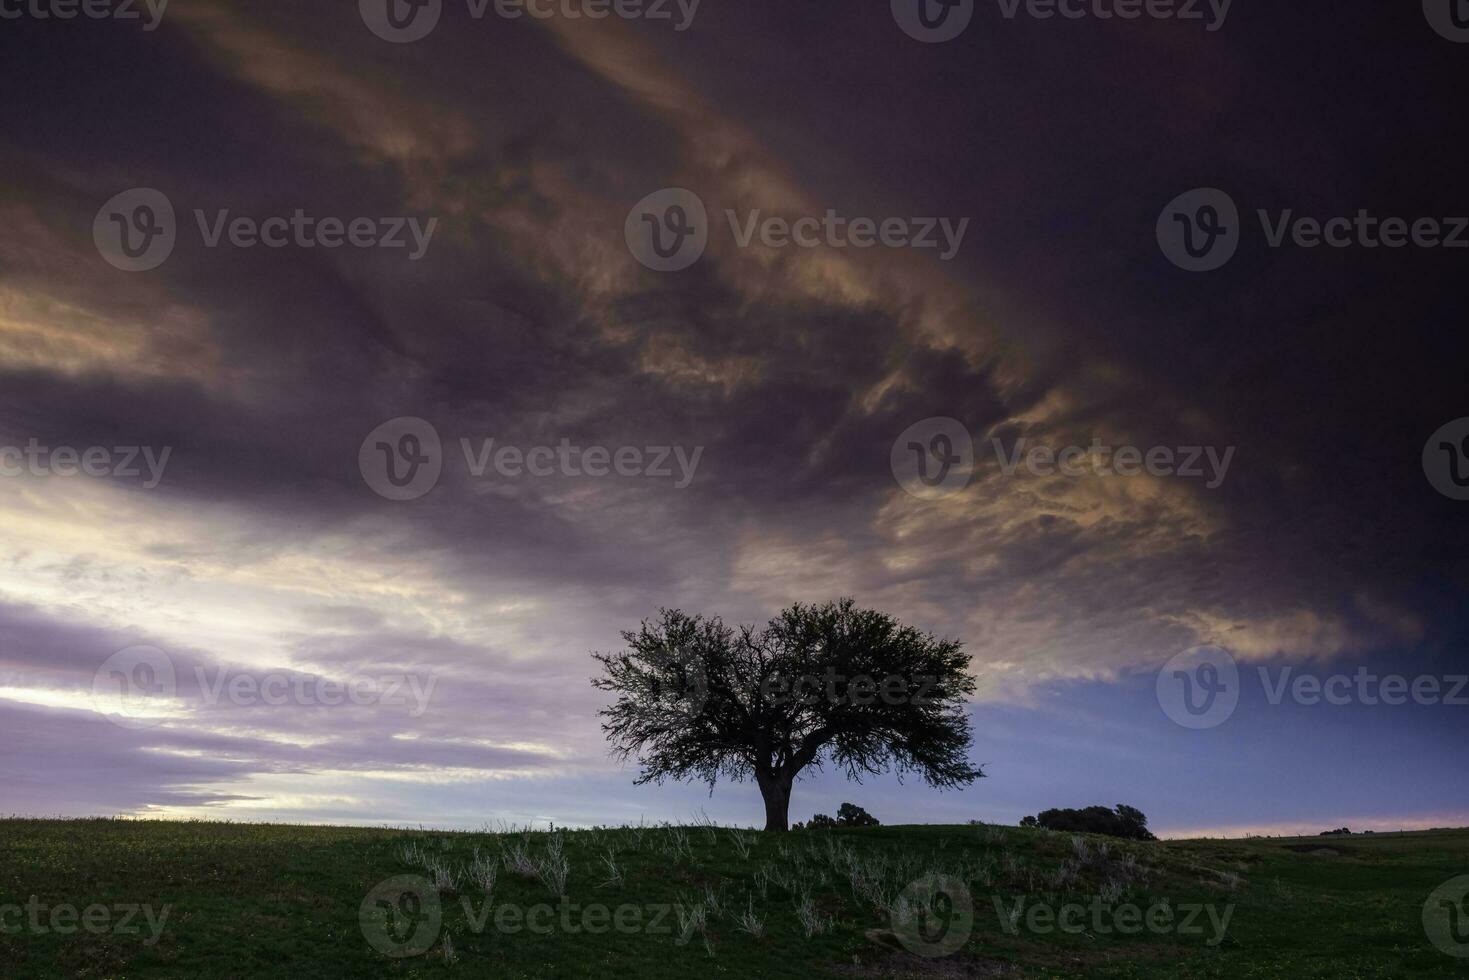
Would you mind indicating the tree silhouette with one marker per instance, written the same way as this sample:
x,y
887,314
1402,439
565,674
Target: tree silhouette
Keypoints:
x,y
1126,821
818,684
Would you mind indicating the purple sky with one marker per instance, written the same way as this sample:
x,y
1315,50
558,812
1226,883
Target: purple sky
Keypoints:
x,y
266,552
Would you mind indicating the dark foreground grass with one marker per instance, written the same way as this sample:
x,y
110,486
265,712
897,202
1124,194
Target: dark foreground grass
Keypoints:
x,y
286,901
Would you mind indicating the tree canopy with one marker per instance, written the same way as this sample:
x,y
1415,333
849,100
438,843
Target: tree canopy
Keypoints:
x,y
829,684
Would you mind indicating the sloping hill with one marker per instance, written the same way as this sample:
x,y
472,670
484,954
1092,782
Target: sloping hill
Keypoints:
x,y
108,898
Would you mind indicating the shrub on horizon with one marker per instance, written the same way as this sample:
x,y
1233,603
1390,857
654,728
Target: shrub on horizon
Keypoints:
x,y
852,815
1125,822
848,815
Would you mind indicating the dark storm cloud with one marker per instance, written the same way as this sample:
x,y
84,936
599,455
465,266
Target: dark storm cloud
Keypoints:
x,y
527,321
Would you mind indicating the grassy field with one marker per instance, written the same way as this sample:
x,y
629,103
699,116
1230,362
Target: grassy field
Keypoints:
x,y
126,899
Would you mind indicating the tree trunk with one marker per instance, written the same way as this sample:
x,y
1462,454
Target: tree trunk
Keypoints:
x,y
777,792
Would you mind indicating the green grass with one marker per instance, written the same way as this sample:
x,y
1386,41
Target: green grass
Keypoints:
x,y
267,900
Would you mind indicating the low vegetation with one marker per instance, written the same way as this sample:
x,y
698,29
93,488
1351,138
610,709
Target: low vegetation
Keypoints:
x,y
848,815
1125,822
677,901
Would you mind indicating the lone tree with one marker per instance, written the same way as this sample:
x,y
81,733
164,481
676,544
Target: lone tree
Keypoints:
x,y
819,684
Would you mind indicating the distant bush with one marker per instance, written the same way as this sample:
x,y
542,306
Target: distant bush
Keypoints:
x,y
1126,822
848,815
1343,832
